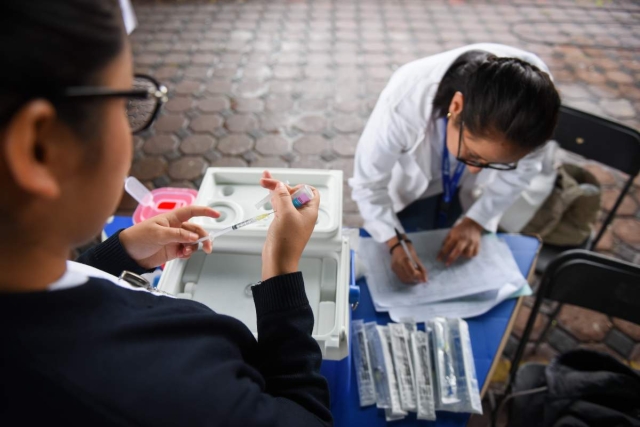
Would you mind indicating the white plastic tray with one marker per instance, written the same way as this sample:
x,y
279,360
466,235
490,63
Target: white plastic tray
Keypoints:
x,y
223,279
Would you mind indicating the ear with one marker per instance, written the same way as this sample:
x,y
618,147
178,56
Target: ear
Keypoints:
x,y
457,104
25,149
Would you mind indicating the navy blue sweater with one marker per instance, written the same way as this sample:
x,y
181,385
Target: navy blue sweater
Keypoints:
x,y
102,355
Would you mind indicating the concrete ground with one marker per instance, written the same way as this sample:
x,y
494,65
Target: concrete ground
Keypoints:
x,y
292,83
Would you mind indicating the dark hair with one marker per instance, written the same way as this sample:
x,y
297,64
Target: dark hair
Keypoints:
x,y
48,45
503,97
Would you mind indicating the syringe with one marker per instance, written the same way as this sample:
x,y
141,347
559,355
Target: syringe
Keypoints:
x,y
244,223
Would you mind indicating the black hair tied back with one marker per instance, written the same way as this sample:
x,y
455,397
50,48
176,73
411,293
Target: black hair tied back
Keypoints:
x,y
503,97
48,45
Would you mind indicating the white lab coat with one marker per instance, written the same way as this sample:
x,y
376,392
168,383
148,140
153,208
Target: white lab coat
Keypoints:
x,y
398,156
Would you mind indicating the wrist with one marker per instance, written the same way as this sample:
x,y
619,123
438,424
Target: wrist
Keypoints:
x,y
394,241
277,265
471,223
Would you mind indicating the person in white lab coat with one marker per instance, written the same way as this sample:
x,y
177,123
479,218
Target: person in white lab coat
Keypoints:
x,y
471,110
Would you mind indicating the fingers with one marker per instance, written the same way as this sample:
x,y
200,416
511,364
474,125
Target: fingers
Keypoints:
x,y
447,247
177,235
281,199
422,273
207,245
471,250
456,252
188,212
271,184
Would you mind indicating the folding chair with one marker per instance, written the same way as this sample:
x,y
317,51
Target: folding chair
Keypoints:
x,y
585,279
605,141
608,142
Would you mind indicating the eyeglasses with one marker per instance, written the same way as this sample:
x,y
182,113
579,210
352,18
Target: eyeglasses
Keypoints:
x,y
144,100
473,163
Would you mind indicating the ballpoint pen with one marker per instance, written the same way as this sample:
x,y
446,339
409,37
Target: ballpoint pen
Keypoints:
x,y
406,249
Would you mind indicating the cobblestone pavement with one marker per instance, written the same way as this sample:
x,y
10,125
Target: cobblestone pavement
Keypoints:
x,y
291,84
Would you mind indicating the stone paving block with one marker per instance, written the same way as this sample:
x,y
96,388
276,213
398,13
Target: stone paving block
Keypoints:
x,y
160,144
149,168
585,325
274,123
235,144
628,230
312,105
241,123
348,124
229,162
251,89
278,103
197,144
632,330
309,162
219,86
311,144
345,145
273,145
269,162
187,168
521,322
618,108
561,340
310,124
247,105
170,123
214,104
250,156
627,207
188,87
206,123
178,104
620,343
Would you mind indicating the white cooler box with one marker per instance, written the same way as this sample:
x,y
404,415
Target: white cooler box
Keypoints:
x,y
224,278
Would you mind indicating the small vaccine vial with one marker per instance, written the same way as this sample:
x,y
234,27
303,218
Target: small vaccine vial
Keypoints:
x,y
302,196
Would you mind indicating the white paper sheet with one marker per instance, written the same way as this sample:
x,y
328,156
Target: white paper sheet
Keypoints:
x,y
465,308
481,277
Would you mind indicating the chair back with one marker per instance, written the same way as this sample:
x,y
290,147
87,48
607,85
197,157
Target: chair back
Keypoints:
x,y
594,281
599,139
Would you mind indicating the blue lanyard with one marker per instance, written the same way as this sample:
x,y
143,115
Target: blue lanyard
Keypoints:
x,y
449,183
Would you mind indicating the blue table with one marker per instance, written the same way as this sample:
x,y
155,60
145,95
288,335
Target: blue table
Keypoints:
x,y
488,337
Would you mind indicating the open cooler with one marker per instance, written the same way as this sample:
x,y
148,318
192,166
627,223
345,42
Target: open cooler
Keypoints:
x,y
223,279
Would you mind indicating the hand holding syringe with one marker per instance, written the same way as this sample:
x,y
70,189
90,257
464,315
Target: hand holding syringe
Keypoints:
x,y
300,197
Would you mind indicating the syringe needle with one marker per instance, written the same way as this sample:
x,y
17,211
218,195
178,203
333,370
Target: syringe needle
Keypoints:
x,y
226,230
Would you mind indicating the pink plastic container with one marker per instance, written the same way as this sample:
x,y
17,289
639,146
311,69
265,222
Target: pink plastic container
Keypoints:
x,y
165,200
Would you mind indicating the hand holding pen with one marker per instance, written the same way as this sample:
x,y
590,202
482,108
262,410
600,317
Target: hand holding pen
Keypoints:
x,y
405,262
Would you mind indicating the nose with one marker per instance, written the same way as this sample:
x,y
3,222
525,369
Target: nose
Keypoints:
x,y
473,169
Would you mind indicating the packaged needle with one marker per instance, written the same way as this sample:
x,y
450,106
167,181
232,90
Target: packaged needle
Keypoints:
x,y
403,366
364,372
378,367
421,352
394,392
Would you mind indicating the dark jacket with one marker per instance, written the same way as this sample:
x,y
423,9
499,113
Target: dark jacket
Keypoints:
x,y
578,389
102,355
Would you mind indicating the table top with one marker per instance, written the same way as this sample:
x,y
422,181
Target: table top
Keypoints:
x,y
487,332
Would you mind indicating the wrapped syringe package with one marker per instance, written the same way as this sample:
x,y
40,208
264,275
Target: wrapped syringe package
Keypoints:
x,y
421,356
364,371
395,411
403,366
456,383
